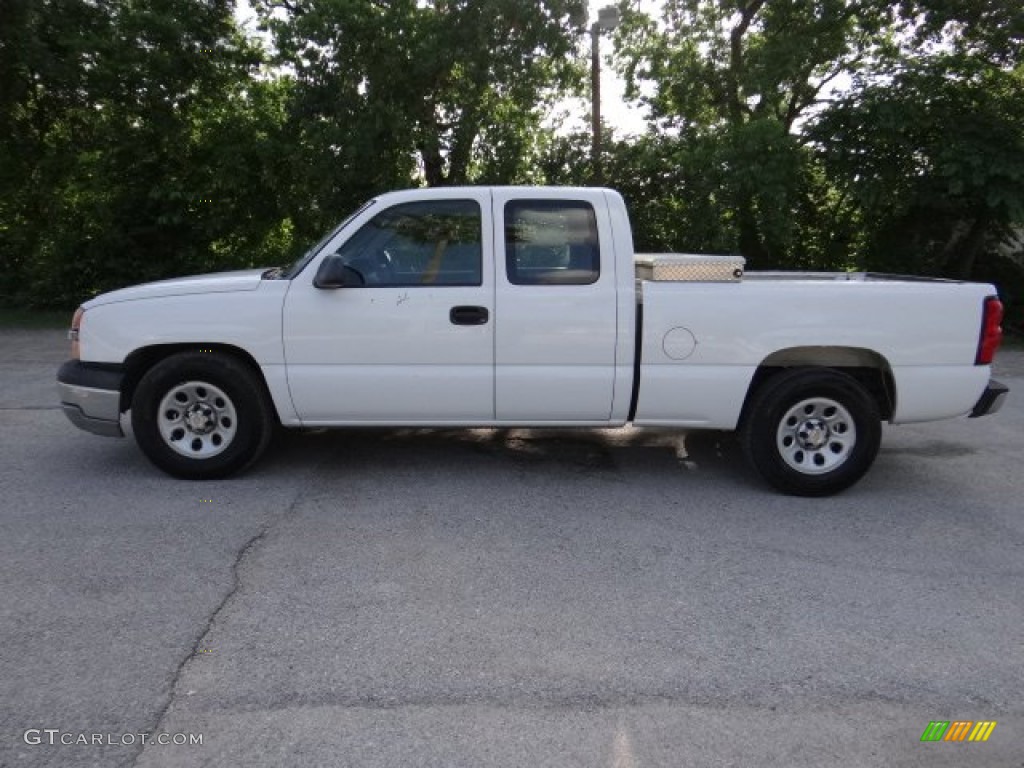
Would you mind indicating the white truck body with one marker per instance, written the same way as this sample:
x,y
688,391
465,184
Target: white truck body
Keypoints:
x,y
501,353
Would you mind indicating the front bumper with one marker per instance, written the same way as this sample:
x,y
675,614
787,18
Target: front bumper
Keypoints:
x,y
90,395
991,399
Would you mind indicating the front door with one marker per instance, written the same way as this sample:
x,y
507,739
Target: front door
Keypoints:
x,y
410,337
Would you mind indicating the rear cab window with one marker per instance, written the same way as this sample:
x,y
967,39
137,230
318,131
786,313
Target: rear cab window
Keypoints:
x,y
551,242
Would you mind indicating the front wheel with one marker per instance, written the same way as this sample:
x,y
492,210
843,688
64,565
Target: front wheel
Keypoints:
x,y
201,415
812,432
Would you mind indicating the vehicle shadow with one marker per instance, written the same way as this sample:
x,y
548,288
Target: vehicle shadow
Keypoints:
x,y
614,454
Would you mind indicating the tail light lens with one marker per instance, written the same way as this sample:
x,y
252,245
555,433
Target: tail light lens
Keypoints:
x,y
76,327
991,331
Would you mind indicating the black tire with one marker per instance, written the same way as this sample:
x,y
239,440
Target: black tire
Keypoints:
x,y
812,431
201,415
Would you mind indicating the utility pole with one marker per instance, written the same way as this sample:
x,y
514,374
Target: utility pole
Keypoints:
x,y
607,20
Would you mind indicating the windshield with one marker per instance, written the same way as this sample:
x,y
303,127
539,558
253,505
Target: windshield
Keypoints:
x,y
308,256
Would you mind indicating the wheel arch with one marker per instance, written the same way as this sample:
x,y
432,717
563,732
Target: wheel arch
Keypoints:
x,y
868,367
141,360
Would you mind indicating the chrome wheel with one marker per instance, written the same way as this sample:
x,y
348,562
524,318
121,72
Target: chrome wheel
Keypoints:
x,y
197,420
816,435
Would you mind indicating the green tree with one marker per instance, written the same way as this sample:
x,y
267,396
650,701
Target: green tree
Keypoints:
x,y
451,91
43,82
934,158
738,78
670,187
136,145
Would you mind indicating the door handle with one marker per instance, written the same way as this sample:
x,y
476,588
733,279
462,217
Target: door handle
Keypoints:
x,y
468,315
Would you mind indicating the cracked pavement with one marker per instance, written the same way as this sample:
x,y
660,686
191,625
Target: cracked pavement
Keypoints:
x,y
419,597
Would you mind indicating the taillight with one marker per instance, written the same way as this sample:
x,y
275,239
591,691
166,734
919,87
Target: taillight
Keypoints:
x,y
991,331
76,327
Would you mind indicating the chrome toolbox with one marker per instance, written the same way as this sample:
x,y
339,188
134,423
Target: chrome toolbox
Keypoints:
x,y
686,267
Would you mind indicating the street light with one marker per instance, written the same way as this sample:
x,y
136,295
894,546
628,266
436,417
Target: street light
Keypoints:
x,y
607,20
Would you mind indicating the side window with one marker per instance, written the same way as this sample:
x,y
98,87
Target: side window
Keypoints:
x,y
434,242
551,242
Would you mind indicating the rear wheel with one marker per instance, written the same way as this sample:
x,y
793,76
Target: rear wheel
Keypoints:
x,y
201,415
812,432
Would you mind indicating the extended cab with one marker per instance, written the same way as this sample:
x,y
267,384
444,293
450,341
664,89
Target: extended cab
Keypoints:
x,y
518,306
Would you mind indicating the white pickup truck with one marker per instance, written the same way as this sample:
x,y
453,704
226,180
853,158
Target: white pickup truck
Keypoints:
x,y
527,307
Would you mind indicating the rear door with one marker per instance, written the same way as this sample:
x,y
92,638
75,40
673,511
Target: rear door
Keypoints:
x,y
555,307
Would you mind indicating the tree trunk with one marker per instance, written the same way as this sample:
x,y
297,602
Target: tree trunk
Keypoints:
x,y
751,246
429,146
433,163
964,257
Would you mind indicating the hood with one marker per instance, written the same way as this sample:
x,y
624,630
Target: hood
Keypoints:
x,y
218,282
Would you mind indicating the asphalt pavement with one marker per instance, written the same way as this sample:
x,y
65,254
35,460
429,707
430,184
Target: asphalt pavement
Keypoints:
x,y
503,598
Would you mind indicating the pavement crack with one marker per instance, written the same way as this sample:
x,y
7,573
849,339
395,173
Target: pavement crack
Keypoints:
x,y
236,583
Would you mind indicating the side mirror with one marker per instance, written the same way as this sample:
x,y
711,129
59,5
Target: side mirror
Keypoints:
x,y
334,273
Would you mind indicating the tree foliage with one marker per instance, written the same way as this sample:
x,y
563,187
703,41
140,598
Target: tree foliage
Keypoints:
x,y
934,159
843,132
119,152
449,91
145,138
739,78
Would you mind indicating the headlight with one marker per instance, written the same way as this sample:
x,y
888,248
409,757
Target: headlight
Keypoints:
x,y
76,327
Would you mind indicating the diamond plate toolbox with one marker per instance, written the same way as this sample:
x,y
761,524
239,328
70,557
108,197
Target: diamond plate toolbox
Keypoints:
x,y
686,267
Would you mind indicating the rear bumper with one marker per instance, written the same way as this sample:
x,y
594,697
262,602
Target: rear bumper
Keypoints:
x,y
91,397
991,399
